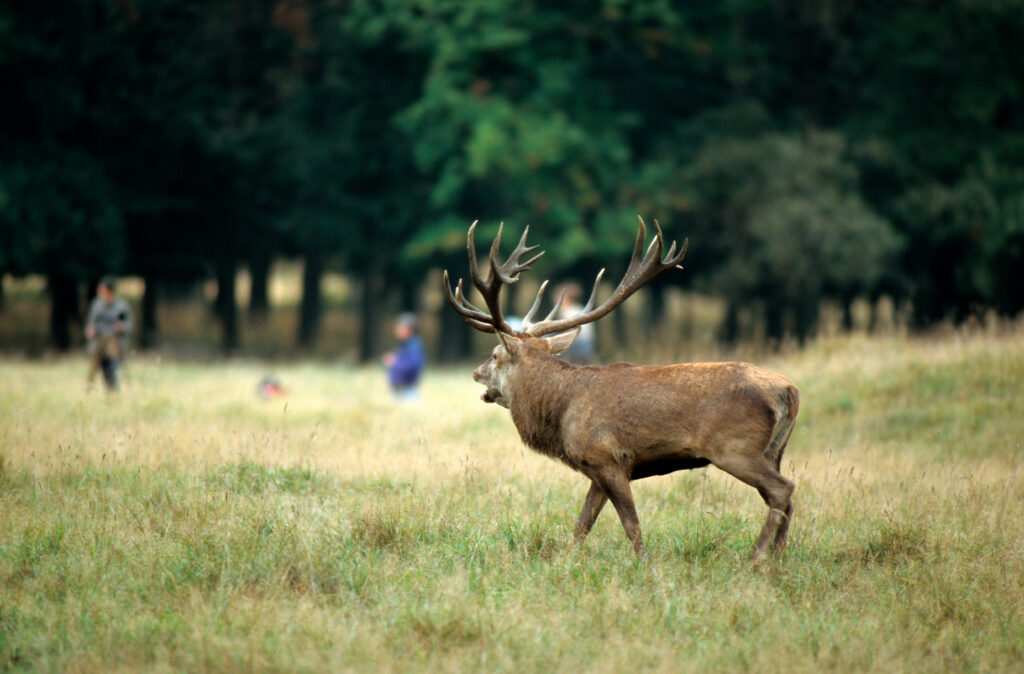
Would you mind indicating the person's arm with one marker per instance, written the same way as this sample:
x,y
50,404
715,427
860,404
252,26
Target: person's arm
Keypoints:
x,y
90,321
125,317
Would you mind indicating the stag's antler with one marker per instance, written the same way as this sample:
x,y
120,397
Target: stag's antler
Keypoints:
x,y
490,287
642,268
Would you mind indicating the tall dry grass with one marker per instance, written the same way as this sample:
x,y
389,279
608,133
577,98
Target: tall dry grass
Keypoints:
x,y
189,525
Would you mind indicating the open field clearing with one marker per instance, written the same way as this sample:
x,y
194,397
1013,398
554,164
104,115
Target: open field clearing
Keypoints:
x,y
189,525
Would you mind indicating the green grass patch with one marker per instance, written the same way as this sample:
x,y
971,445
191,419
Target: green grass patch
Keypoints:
x,y
188,525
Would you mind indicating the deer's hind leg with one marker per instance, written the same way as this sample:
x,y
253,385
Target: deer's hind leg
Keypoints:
x,y
616,487
759,472
776,446
592,505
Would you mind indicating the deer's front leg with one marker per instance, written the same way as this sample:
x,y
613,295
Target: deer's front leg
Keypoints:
x,y
592,505
617,488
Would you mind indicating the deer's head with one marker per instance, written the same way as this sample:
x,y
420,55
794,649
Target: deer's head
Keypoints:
x,y
548,335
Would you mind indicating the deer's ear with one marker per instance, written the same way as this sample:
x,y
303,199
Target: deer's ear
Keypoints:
x,y
510,343
560,343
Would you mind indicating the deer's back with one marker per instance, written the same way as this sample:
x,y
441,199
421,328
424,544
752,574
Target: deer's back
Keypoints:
x,y
625,390
676,414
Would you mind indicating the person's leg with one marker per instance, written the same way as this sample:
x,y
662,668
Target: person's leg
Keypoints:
x,y
407,394
94,366
110,367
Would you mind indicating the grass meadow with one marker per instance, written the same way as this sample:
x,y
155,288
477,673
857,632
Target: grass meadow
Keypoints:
x,y
187,525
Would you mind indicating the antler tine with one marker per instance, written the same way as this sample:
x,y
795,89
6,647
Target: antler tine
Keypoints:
x,y
475,317
593,293
470,310
498,274
646,266
495,248
671,252
474,267
670,257
528,318
555,307
638,247
508,272
643,266
671,249
657,245
479,325
682,253
490,287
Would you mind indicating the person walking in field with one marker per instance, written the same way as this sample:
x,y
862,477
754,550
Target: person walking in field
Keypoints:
x,y
107,327
405,364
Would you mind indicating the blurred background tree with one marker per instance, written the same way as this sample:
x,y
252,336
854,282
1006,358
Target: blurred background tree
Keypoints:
x,y
785,217
813,152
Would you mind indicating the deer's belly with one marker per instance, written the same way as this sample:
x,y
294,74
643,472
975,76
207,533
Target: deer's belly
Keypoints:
x,y
666,465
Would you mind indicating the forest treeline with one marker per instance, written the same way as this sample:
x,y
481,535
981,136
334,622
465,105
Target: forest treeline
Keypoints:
x,y
809,150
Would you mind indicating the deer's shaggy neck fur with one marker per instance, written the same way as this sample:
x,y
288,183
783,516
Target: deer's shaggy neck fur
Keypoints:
x,y
541,390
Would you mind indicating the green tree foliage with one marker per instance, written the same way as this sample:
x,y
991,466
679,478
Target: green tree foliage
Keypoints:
x,y
784,215
974,230
356,195
518,121
58,213
942,89
810,151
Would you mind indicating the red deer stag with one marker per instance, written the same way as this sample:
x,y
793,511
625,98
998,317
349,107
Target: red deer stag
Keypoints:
x,y
619,423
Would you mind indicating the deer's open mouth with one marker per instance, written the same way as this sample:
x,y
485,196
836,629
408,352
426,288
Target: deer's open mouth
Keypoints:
x,y
487,397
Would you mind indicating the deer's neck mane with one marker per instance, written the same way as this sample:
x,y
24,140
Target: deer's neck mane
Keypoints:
x,y
541,393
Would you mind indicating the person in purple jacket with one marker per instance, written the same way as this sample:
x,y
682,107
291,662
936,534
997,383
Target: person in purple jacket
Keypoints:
x,y
405,364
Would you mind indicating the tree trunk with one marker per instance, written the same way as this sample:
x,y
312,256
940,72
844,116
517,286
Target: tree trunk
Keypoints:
x,y
847,315
310,307
180,290
411,290
259,272
456,337
873,318
369,316
620,331
774,320
64,309
729,331
226,305
656,304
148,333
806,317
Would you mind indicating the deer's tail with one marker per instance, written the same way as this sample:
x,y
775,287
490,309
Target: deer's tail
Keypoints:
x,y
787,406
